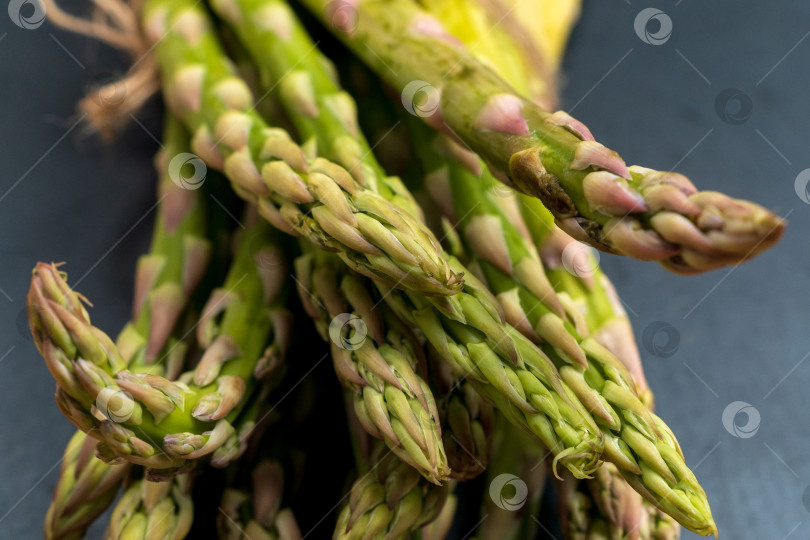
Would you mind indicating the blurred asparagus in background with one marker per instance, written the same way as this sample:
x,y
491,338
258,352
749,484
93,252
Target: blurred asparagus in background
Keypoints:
x,y
515,483
153,510
86,487
389,499
257,513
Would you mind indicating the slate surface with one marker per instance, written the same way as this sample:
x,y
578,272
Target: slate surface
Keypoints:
x,y
734,335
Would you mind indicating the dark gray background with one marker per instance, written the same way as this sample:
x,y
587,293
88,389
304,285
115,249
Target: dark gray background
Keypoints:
x,y
736,334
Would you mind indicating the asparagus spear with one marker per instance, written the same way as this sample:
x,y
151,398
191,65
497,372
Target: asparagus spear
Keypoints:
x,y
585,516
168,275
153,511
505,368
392,401
585,284
182,421
322,112
389,500
316,199
595,197
86,487
482,25
637,441
166,278
584,288
257,514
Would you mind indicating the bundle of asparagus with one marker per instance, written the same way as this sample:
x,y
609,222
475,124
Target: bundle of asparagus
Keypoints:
x,y
497,358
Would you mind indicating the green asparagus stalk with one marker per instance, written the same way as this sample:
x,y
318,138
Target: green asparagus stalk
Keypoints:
x,y
518,461
316,199
378,360
322,112
505,368
148,419
588,296
579,518
586,292
166,279
167,276
389,500
594,196
153,511
86,487
584,283
502,38
257,514
588,513
637,441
